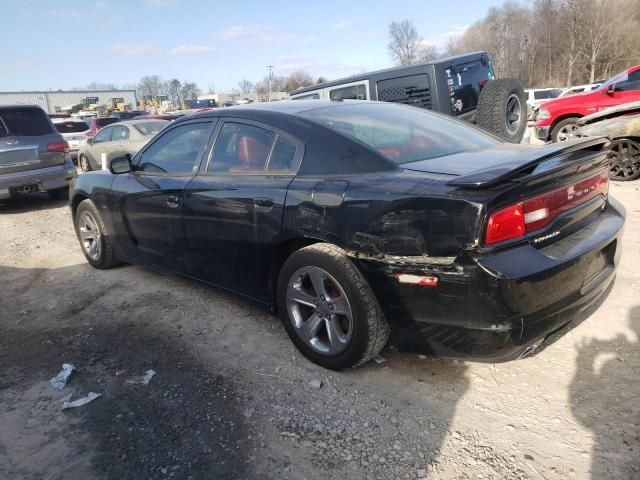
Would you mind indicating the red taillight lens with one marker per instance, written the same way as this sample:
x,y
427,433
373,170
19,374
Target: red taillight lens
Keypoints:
x,y
505,224
60,147
534,213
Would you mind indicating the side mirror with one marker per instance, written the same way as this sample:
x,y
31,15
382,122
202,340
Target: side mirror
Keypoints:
x,y
120,165
611,89
90,141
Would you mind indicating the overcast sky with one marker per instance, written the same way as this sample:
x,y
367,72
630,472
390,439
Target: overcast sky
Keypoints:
x,y
52,44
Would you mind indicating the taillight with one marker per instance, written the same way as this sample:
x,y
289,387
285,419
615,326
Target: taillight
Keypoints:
x,y
59,147
534,213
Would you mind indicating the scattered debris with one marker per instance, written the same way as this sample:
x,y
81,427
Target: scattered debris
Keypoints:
x,y
60,381
120,372
142,379
316,383
81,401
379,359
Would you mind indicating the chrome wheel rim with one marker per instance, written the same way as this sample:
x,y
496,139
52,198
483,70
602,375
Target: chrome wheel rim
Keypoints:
x,y
90,235
625,159
513,114
319,310
567,132
84,164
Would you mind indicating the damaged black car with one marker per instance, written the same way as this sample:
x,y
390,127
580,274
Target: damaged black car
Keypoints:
x,y
361,221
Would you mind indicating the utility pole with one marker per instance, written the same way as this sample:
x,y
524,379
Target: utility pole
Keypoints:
x,y
270,68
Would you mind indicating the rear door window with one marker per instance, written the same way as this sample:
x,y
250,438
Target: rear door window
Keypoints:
x,y
241,148
120,133
24,122
351,92
411,90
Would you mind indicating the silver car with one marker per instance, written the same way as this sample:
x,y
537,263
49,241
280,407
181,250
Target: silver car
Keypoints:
x,y
117,140
74,131
33,155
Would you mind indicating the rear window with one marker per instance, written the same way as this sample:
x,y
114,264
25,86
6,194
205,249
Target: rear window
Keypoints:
x,y
149,129
103,122
71,127
402,134
24,122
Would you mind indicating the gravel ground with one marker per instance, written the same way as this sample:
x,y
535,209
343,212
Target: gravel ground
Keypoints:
x,y
232,398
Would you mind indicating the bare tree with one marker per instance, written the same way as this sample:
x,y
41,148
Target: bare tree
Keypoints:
x,y
427,53
246,86
173,89
151,85
189,91
404,42
321,79
298,79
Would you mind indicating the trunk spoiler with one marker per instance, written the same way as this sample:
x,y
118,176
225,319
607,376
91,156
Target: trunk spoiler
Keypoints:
x,y
559,156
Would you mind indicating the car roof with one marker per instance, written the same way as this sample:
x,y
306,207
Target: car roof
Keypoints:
x,y
133,122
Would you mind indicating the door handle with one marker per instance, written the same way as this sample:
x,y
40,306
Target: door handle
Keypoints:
x,y
263,204
173,201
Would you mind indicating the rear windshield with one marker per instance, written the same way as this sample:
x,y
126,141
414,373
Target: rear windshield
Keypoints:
x,y
148,129
24,122
71,127
401,133
103,122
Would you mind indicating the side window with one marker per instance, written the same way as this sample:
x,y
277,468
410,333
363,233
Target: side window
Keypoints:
x,y
103,135
282,157
352,92
120,133
631,83
177,150
412,90
241,148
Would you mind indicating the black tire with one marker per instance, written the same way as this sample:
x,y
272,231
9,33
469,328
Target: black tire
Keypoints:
x,y
59,193
369,330
84,163
106,257
624,155
502,109
560,128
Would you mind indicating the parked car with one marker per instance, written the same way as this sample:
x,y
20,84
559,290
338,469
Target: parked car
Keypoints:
x,y
357,220
126,115
122,138
580,89
537,96
162,116
83,114
74,131
556,119
621,125
33,155
463,86
96,124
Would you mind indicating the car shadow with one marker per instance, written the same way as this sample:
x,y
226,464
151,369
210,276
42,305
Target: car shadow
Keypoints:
x,y
607,401
31,202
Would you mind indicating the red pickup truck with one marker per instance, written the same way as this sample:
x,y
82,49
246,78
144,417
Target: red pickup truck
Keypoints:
x,y
557,118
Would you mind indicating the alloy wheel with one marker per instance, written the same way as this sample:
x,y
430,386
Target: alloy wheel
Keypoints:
x,y
319,310
567,132
89,235
513,114
625,160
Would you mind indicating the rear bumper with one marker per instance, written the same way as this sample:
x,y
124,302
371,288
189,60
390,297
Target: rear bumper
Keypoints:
x,y
502,306
49,178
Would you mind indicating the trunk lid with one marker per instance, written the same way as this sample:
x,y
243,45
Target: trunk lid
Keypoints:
x,y
25,136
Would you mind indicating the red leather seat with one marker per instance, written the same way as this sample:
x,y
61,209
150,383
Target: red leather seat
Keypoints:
x,y
252,154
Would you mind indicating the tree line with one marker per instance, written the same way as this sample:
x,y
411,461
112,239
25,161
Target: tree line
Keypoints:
x,y
542,43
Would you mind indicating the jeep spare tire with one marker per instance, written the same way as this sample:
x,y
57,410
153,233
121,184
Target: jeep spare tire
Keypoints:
x,y
502,109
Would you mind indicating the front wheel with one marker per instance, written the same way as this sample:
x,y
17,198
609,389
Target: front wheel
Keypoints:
x,y
328,309
564,130
94,239
625,160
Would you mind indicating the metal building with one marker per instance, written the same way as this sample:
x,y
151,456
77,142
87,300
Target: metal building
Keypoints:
x,y
71,100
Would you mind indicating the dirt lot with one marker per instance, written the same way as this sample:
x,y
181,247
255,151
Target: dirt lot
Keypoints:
x,y
232,398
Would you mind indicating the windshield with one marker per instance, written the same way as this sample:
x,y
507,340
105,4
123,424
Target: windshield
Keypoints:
x,y
401,133
621,77
148,129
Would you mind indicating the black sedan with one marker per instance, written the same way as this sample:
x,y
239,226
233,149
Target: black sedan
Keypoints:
x,y
357,221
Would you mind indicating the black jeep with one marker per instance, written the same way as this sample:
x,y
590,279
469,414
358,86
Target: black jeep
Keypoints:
x,y
463,86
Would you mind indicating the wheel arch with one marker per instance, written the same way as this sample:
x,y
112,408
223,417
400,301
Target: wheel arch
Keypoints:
x,y
77,198
561,118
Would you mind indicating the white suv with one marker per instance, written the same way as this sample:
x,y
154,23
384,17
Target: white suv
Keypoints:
x,y
74,131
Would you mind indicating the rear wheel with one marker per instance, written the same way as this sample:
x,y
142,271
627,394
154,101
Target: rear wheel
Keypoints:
x,y
564,130
502,109
328,309
94,239
83,161
625,160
